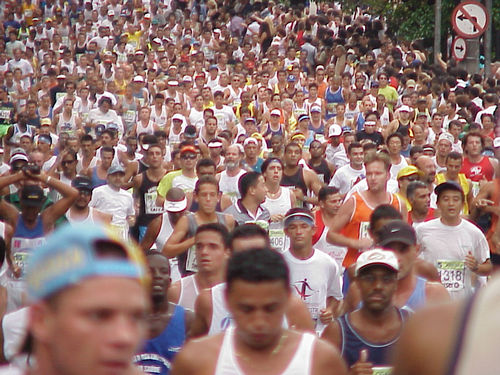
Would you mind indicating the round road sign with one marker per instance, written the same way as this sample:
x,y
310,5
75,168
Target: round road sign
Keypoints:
x,y
469,19
459,48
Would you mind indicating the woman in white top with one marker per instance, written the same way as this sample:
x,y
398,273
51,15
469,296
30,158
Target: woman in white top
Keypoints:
x,y
278,201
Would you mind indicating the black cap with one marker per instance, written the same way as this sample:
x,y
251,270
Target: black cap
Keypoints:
x,y
448,185
32,196
397,231
82,183
190,131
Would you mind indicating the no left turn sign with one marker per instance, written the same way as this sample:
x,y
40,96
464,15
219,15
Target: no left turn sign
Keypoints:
x,y
459,49
469,19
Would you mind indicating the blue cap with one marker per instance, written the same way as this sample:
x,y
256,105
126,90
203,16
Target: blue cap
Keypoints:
x,y
69,256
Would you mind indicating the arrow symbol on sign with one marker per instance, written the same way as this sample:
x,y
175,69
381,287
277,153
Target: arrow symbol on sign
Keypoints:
x,y
460,48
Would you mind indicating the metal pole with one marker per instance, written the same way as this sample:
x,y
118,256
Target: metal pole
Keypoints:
x,y
437,30
487,41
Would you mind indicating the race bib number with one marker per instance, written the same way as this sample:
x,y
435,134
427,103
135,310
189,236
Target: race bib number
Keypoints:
x,y
452,274
150,206
129,116
20,260
382,370
277,238
191,264
21,250
363,229
5,114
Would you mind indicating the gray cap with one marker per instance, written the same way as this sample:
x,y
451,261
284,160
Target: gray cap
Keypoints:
x,y
116,168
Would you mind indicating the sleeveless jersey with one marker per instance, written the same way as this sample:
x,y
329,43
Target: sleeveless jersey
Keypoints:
x,y
441,177
96,180
276,206
88,220
358,225
295,181
187,260
149,128
189,292
158,353
322,171
477,171
64,125
332,99
353,343
300,364
229,185
417,298
148,209
25,241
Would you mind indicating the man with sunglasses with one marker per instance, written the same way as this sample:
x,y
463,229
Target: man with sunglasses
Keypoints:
x,y
185,178
80,212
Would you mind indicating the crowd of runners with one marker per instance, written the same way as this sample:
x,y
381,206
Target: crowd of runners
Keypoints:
x,y
242,187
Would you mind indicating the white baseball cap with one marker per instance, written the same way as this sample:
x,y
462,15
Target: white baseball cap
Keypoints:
x,y
447,137
334,131
404,108
315,108
377,257
275,112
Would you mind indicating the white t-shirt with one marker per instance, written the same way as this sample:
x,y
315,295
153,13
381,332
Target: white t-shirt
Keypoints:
x,y
392,187
346,177
185,183
441,244
314,280
120,204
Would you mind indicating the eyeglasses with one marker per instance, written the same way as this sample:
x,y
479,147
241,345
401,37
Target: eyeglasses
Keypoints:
x,y
67,162
412,179
188,157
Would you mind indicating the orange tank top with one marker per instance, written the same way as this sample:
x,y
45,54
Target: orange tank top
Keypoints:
x,y
360,221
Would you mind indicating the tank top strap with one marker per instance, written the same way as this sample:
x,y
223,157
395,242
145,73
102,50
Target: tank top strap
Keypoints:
x,y
221,218
301,362
192,225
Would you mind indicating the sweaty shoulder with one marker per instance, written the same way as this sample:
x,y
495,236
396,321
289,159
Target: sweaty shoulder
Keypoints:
x,y
327,360
430,334
205,350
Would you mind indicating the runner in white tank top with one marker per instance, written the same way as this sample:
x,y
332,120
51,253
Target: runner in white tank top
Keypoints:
x,y
278,206
189,292
166,230
221,318
88,220
229,185
227,363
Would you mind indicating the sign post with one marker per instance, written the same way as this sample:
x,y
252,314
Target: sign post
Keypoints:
x,y
459,48
469,20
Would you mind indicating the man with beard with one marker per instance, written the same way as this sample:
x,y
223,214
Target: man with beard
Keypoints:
x,y
80,212
228,179
168,323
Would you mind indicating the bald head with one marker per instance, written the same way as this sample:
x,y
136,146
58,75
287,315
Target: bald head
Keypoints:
x,y
426,165
175,195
